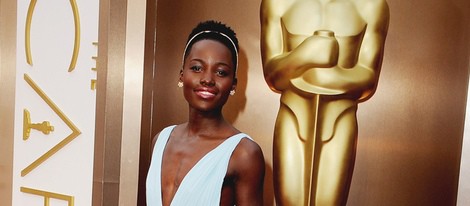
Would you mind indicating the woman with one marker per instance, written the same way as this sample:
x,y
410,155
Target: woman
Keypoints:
x,y
206,161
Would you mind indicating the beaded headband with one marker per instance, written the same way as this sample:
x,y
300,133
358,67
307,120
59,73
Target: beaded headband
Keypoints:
x,y
215,32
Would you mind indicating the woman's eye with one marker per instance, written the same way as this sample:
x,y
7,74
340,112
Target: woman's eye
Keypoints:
x,y
196,68
222,73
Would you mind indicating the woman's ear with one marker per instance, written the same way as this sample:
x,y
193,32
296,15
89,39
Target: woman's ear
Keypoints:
x,y
181,75
234,84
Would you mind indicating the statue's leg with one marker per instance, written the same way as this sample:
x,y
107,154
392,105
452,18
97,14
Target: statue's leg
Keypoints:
x,y
337,161
288,161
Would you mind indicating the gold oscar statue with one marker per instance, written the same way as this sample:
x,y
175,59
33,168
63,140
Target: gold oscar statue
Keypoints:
x,y
323,57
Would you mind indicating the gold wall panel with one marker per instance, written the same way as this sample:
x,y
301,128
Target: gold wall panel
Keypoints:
x,y
7,97
119,101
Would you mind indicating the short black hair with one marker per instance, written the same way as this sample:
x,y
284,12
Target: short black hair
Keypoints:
x,y
216,29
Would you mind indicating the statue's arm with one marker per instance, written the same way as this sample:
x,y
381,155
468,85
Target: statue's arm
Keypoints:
x,y
279,65
271,43
372,49
363,77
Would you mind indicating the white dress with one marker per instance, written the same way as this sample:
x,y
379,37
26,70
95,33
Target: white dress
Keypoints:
x,y
203,183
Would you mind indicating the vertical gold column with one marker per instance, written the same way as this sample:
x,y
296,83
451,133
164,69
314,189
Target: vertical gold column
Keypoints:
x,y
118,102
109,102
7,96
132,109
147,98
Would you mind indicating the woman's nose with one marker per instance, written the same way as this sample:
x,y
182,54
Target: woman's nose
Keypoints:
x,y
207,79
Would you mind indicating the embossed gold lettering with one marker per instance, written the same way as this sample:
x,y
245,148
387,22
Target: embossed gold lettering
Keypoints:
x,y
76,47
45,127
48,195
61,144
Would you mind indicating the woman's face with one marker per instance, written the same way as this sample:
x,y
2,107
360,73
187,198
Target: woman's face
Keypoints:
x,y
208,75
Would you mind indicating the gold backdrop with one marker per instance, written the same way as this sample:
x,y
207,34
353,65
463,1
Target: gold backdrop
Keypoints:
x,y
410,131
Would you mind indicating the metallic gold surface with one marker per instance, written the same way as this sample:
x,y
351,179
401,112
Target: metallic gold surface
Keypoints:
x,y
63,117
147,99
76,47
324,57
45,127
118,106
108,130
132,109
49,195
8,19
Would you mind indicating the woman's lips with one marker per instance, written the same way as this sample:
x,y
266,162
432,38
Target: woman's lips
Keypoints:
x,y
205,93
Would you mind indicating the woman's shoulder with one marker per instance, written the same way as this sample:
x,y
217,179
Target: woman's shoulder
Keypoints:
x,y
248,144
248,152
247,164
168,130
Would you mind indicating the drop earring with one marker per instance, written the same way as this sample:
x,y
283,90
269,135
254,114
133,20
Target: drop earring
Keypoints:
x,y
180,84
232,92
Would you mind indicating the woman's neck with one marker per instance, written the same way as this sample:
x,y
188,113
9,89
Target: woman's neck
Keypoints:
x,y
205,123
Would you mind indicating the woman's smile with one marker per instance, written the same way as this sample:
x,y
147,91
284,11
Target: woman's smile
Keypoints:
x,y
205,93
